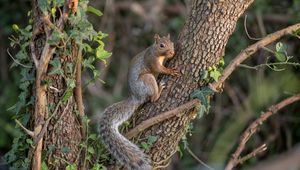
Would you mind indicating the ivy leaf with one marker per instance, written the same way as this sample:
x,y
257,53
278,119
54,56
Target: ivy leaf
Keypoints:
x,y
91,150
215,74
280,47
71,167
65,149
42,4
280,56
88,63
44,166
71,83
94,11
204,96
145,146
151,139
55,37
102,54
93,136
67,95
56,67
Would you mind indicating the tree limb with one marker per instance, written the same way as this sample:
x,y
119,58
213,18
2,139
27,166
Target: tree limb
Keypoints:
x,y
178,111
253,128
246,53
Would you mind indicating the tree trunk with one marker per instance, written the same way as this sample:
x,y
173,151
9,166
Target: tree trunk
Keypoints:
x,y
201,44
54,119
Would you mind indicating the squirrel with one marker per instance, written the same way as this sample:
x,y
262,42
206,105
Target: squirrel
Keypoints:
x,y
143,87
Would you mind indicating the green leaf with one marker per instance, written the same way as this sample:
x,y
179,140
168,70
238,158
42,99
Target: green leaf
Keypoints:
x,y
203,74
55,37
91,150
71,167
29,141
204,96
70,83
151,139
280,47
215,74
67,95
88,63
56,67
145,146
42,4
15,27
93,136
44,166
102,54
94,11
65,149
280,56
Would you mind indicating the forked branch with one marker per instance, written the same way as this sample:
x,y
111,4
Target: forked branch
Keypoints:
x,y
253,128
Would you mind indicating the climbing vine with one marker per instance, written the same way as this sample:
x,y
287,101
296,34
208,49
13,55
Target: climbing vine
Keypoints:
x,y
77,34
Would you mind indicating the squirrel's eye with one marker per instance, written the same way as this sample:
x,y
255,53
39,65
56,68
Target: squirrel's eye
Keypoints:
x,y
162,45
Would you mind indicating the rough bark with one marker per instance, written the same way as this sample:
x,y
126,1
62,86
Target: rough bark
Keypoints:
x,y
200,45
62,134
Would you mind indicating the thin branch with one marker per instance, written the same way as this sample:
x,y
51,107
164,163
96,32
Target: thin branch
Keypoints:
x,y
246,53
246,30
78,91
29,132
33,56
256,151
44,129
197,159
16,61
253,128
178,111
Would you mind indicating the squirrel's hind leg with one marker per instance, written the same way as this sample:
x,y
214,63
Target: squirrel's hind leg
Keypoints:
x,y
152,90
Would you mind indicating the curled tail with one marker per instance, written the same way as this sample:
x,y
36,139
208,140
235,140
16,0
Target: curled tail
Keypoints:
x,y
121,148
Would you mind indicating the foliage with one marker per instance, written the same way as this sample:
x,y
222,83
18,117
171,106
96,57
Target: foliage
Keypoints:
x,y
79,31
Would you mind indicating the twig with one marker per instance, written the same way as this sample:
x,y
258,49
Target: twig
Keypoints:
x,y
253,128
249,51
246,30
256,151
29,132
44,129
197,159
33,56
16,61
78,91
268,64
178,111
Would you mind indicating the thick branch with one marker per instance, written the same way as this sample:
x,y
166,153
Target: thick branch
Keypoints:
x,y
253,128
178,111
246,53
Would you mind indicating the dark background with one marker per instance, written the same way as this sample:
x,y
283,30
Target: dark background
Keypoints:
x,y
131,26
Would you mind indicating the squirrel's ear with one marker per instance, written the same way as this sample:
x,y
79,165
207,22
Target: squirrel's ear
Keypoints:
x,y
156,37
168,36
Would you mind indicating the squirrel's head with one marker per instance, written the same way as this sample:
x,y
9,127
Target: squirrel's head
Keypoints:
x,y
164,46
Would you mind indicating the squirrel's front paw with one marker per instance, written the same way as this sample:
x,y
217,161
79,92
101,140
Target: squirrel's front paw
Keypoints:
x,y
174,72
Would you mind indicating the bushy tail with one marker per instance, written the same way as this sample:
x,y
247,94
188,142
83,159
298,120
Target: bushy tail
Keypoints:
x,y
121,148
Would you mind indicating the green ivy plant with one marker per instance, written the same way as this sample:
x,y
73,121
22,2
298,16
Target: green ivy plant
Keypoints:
x,y
90,44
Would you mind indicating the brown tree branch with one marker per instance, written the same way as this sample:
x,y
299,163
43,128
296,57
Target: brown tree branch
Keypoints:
x,y
256,151
29,132
253,128
178,111
78,92
246,53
